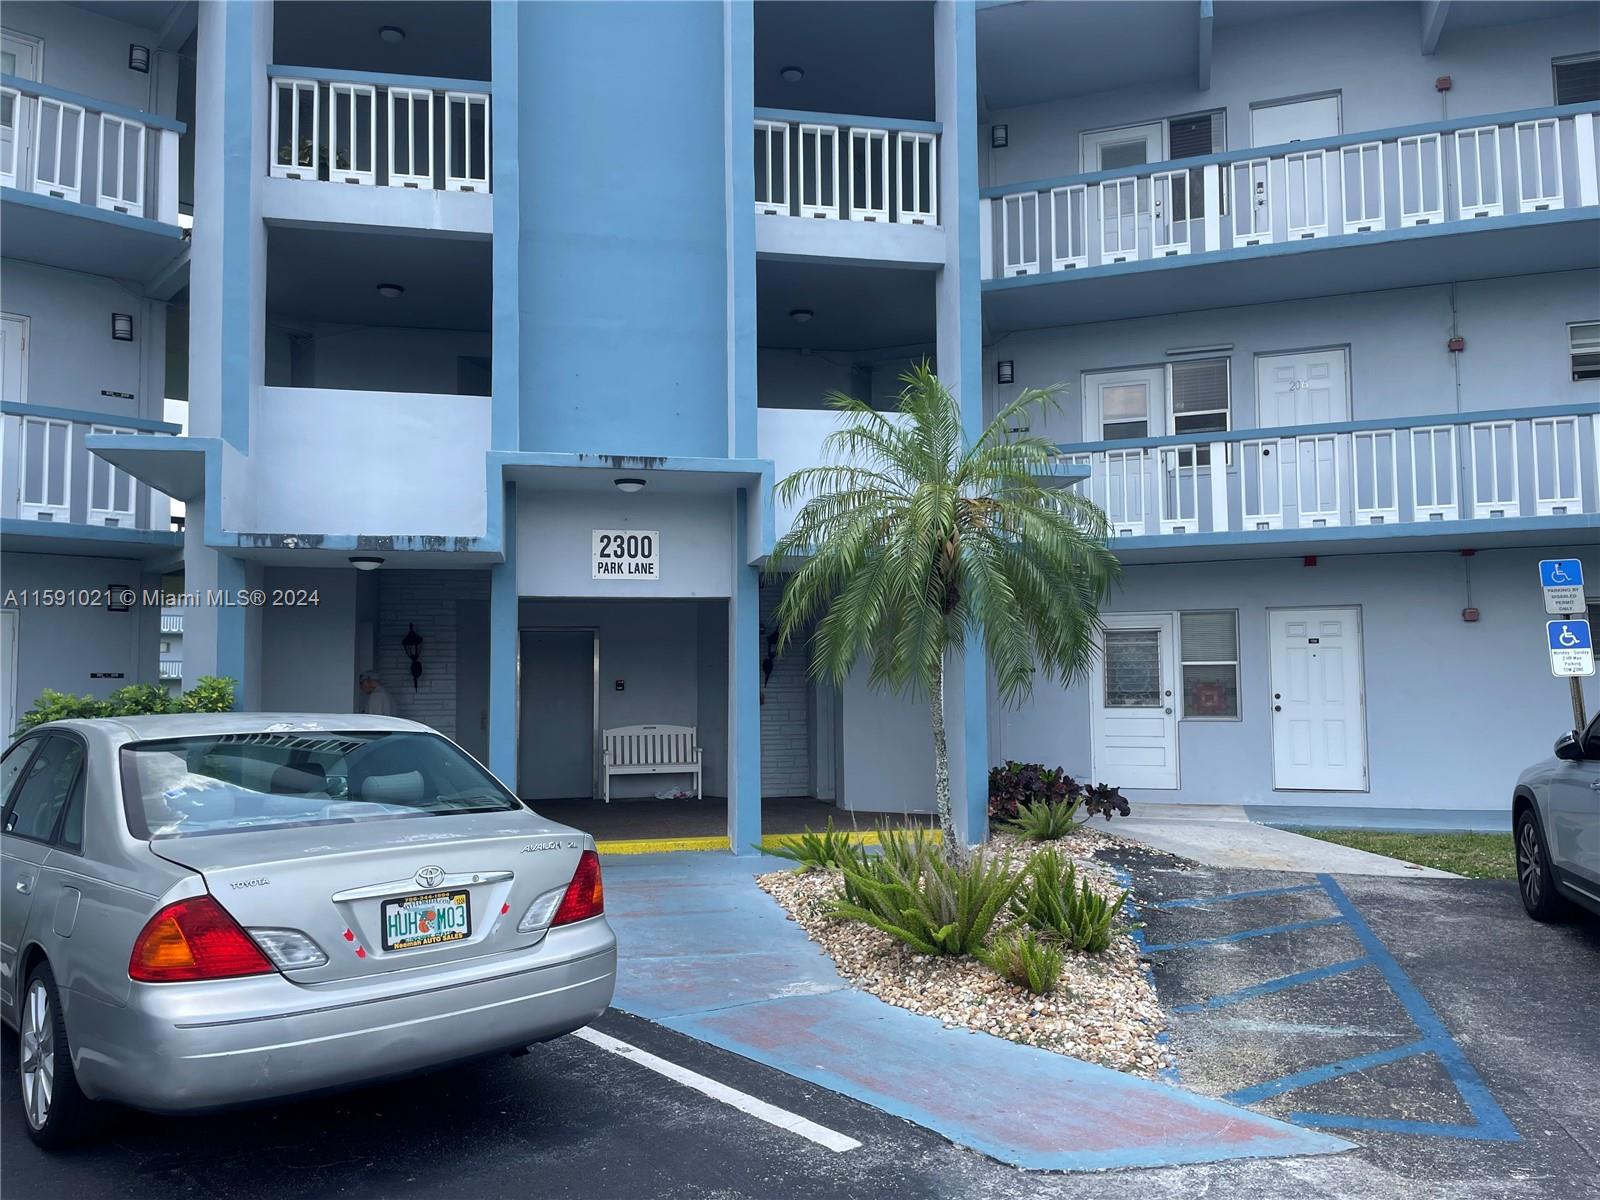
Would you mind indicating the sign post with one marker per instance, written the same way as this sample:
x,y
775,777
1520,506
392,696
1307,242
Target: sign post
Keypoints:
x,y
1571,641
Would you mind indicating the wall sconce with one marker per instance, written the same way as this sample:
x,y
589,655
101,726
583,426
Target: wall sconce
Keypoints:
x,y
139,59
412,644
999,136
1004,371
122,327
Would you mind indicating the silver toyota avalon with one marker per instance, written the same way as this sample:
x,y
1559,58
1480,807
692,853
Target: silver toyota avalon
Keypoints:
x,y
209,910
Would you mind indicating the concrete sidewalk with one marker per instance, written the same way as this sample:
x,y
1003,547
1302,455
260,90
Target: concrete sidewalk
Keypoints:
x,y
1222,835
702,950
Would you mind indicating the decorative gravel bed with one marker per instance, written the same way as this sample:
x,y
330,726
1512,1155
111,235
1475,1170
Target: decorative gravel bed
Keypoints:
x,y
1104,1010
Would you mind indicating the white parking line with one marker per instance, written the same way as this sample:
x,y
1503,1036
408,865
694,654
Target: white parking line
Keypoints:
x,y
759,1109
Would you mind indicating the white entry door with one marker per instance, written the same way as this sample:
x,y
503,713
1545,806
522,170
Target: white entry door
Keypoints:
x,y
1130,146
13,358
1319,738
1135,726
19,56
1305,387
1275,123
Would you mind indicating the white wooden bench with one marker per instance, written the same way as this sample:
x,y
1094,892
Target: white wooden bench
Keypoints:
x,y
650,750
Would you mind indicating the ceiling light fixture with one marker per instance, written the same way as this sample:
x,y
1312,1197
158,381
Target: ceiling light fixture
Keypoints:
x,y
392,34
365,562
391,291
791,74
629,485
800,315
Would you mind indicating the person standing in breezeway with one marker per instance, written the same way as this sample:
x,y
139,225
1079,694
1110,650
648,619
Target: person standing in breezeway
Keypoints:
x,y
379,703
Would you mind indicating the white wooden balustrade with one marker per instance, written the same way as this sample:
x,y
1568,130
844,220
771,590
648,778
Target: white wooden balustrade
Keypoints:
x,y
50,475
1538,161
1485,466
846,169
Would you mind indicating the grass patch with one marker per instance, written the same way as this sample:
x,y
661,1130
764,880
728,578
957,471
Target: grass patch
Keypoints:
x,y
1475,855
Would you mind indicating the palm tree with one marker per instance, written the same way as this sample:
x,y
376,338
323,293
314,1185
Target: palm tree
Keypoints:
x,y
915,543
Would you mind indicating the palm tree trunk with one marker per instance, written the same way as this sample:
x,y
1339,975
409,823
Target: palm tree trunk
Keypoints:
x,y
954,849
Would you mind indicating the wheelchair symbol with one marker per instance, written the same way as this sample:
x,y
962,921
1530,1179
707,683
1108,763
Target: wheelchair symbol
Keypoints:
x,y
1558,574
1567,638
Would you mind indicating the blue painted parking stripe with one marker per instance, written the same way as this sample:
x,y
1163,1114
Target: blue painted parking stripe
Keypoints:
x,y
1207,901
1274,985
1333,1070
1471,1133
1244,935
1492,1119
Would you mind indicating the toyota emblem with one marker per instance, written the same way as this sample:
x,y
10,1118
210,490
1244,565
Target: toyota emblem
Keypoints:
x,y
430,877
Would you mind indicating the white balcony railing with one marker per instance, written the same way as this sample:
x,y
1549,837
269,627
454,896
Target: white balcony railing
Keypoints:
x,y
171,669
1540,160
1536,463
172,622
398,131
50,475
846,168
81,150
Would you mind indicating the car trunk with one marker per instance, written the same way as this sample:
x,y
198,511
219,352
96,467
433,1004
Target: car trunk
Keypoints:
x,y
388,895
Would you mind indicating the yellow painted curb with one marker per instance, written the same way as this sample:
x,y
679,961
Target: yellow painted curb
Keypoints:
x,y
661,845
856,837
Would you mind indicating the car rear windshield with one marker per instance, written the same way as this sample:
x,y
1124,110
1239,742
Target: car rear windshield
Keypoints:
x,y
182,787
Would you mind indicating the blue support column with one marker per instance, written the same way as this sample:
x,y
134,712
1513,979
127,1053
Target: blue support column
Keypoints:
x,y
503,650
505,405
744,691
739,103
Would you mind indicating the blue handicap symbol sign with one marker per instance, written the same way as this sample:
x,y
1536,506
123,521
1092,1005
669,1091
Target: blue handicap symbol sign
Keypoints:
x,y
1569,635
1560,572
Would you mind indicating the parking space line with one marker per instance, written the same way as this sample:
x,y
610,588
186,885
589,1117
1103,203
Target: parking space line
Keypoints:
x,y
1280,984
1333,1070
1207,901
770,1113
1244,935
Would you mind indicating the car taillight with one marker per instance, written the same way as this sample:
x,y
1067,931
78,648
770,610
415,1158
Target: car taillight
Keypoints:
x,y
194,939
586,894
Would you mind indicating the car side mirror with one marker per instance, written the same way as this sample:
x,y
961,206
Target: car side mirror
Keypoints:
x,y
1569,746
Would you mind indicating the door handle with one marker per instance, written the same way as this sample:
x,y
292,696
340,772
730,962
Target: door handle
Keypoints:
x,y
1168,711
1277,708
25,884
1595,786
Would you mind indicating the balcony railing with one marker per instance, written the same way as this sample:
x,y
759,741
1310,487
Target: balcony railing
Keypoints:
x,y
830,167
1539,160
75,148
1538,462
50,475
171,622
170,669
379,131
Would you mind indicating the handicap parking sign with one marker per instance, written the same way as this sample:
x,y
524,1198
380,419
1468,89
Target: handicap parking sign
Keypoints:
x,y
1562,581
1571,648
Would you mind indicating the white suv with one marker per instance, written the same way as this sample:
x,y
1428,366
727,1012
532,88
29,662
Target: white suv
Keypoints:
x,y
1555,815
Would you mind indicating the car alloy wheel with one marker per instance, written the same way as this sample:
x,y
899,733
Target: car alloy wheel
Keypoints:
x,y
38,1051
1530,864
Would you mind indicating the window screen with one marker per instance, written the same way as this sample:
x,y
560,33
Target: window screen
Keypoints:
x,y
1199,391
1194,137
1210,649
1585,351
1578,80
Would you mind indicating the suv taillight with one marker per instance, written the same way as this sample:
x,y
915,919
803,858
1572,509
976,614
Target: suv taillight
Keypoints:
x,y
586,894
194,939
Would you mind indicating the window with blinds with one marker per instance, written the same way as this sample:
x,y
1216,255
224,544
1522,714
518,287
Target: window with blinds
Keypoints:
x,y
1577,79
1194,137
1585,340
1197,391
1209,647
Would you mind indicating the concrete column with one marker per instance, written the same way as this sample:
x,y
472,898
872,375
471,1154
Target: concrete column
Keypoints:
x,y
506,371
739,114
503,650
960,365
744,691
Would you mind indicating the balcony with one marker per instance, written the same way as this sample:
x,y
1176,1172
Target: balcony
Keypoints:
x,y
172,622
65,157
382,150
58,497
1515,193
1484,478
864,189
171,670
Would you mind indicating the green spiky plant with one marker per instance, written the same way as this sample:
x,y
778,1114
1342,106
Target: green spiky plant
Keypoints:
x,y
917,541
1057,903
815,851
1026,959
1047,820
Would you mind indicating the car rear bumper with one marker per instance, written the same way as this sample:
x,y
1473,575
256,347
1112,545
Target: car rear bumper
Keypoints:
x,y
186,1047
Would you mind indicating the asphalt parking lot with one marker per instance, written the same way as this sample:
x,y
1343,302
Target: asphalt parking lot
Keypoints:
x,y
1430,1021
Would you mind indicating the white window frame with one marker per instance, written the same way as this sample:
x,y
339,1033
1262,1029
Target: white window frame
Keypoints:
x,y
36,510
293,168
911,206
118,201
773,168
470,180
1250,223
1022,265
1308,228
1469,153
410,178
873,182
1094,138
1541,201
347,134
1354,160
54,187
825,144
119,518
1065,234
1412,155
1185,661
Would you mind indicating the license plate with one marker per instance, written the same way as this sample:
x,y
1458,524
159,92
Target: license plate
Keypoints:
x,y
429,919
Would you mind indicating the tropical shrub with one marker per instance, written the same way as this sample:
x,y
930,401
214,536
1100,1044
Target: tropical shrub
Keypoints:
x,y
1026,960
830,849
1102,800
1017,784
913,893
1054,901
1047,820
211,693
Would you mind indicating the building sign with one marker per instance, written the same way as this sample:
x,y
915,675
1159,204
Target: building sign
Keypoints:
x,y
626,554
1571,648
1562,581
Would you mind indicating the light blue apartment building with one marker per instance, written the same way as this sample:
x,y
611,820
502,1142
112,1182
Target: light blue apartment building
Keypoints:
x,y
497,323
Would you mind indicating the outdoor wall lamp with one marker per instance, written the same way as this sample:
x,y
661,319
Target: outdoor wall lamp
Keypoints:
x,y
999,136
139,59
412,644
1005,371
365,562
629,485
122,327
